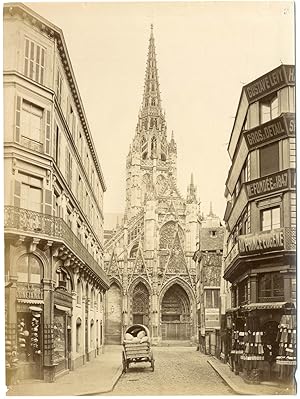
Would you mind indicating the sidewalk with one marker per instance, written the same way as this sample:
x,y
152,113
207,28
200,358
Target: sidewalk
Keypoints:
x,y
95,377
239,386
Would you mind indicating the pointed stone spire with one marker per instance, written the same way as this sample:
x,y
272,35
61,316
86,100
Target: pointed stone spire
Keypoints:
x,y
151,97
191,191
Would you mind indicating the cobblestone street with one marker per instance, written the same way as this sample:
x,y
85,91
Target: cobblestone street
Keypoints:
x,y
181,371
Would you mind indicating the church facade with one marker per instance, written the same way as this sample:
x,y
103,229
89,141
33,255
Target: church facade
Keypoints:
x,y
149,258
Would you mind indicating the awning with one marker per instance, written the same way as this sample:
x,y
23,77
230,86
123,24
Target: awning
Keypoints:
x,y
31,301
267,305
63,308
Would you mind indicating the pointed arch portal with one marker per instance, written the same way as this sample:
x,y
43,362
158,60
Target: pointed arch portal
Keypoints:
x,y
114,315
140,304
175,314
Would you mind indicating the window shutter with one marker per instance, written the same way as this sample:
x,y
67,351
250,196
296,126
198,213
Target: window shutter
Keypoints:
x,y
67,114
17,194
54,151
58,143
26,65
47,138
48,202
18,118
70,169
67,165
42,66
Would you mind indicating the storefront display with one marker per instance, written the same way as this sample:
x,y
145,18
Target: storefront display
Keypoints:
x,y
59,334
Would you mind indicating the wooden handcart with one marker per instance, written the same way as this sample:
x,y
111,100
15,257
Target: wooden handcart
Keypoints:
x,y
134,351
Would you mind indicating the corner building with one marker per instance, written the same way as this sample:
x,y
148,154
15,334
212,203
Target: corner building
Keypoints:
x,y
260,217
149,258
53,219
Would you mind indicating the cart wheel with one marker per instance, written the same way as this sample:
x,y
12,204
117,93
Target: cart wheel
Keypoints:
x,y
124,363
152,364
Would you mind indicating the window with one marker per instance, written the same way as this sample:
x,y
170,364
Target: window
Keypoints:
x,y
31,123
243,292
270,219
63,280
212,298
34,61
29,270
270,287
31,193
59,84
268,109
269,159
68,167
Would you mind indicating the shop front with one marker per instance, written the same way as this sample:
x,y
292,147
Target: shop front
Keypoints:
x,y
62,330
261,341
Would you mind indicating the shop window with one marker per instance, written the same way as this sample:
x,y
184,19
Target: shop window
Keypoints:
x,y
268,109
269,159
270,287
212,298
270,219
29,270
34,65
78,335
59,338
243,292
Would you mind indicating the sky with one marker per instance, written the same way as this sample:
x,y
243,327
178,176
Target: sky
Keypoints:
x,y
206,52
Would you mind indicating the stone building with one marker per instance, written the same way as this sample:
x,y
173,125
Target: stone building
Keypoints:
x,y
260,216
208,260
53,221
149,257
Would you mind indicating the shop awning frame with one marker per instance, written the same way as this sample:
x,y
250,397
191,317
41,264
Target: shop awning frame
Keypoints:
x,y
267,306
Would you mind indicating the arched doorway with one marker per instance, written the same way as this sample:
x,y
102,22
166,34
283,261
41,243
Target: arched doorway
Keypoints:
x,y
113,330
140,305
175,314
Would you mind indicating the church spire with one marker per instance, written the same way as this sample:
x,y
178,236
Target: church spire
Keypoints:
x,y
191,192
151,97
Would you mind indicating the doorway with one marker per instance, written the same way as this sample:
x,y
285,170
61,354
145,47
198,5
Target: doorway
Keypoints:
x,y
175,314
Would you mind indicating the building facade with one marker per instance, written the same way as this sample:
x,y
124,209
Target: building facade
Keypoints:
x,y
53,222
260,262
208,260
149,257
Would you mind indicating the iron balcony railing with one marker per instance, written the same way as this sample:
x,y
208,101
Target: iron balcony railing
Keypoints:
x,y
52,228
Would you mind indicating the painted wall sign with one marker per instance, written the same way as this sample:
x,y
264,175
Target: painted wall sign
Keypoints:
x,y
271,81
273,130
264,185
264,241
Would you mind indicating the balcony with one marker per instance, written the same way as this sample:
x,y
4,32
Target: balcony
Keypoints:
x,y
26,222
255,244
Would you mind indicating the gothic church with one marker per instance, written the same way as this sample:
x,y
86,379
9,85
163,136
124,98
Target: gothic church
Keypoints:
x,y
149,257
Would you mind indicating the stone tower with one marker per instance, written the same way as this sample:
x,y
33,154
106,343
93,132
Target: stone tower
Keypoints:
x,y
149,257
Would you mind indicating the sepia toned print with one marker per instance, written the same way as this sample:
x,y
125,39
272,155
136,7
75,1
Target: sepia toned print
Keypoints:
x,y
131,269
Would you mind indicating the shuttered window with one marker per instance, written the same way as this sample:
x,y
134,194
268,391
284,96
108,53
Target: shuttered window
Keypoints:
x,y
69,167
34,65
